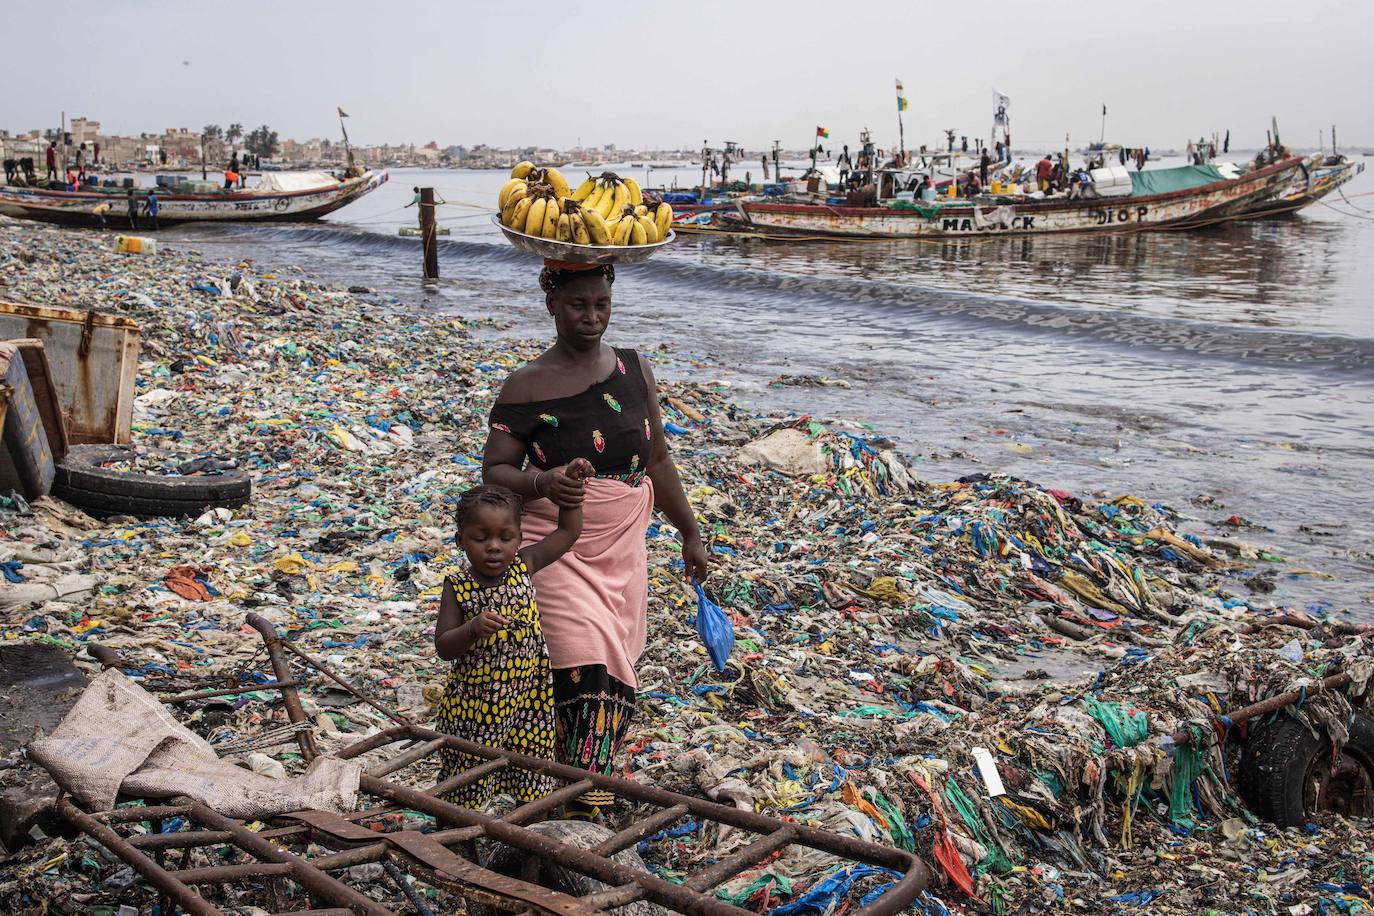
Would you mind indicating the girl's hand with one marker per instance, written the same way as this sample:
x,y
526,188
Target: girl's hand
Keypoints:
x,y
580,469
694,559
485,624
563,490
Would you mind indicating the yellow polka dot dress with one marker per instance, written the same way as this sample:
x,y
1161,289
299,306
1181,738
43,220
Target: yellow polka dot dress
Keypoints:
x,y
500,693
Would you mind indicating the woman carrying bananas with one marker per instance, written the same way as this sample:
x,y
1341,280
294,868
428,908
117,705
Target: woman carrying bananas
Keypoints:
x,y
583,398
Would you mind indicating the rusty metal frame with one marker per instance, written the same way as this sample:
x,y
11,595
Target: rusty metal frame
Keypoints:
x,y
290,846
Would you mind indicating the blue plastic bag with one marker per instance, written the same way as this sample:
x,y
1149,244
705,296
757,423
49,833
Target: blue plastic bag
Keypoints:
x,y
715,629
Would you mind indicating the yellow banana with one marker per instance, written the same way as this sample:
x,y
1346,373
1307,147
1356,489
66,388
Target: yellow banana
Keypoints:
x,y
534,218
579,229
663,219
506,190
557,181
564,231
593,199
641,210
622,197
522,169
522,210
637,234
622,232
508,211
584,190
650,230
596,227
632,188
606,206
550,229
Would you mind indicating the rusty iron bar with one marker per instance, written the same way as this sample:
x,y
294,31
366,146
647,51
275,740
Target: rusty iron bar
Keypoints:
x,y
317,664
640,830
824,840
281,669
916,875
581,860
160,878
532,811
181,839
233,691
745,858
332,911
140,813
614,897
110,658
302,872
296,712
107,657
467,777
228,874
1273,704
400,762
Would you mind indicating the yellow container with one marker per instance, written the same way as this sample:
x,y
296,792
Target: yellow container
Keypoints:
x,y
135,244
953,189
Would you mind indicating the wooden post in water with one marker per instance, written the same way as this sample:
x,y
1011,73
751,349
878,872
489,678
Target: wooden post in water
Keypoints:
x,y
429,232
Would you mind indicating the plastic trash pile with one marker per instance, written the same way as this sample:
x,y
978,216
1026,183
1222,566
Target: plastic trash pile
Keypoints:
x,y
980,670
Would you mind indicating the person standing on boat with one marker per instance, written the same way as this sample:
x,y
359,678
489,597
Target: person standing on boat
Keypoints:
x,y
133,210
234,161
845,165
52,160
983,162
81,161
95,152
1043,170
151,205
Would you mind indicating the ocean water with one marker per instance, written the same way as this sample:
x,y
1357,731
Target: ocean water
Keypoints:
x,y
1227,371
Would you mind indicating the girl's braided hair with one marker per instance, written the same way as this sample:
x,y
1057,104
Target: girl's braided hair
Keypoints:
x,y
487,495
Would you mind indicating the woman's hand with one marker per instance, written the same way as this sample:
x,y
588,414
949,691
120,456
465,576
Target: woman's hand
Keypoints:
x,y
694,559
561,488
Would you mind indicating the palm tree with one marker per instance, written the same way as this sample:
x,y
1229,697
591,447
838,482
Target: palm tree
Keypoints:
x,y
234,132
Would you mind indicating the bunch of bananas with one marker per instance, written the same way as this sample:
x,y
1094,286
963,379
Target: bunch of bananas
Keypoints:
x,y
606,210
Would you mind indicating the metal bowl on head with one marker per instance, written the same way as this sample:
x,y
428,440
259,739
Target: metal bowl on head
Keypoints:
x,y
580,254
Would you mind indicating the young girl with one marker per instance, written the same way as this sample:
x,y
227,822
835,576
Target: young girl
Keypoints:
x,y
499,692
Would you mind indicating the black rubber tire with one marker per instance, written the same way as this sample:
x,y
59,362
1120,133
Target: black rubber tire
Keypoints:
x,y
1280,758
81,481
511,863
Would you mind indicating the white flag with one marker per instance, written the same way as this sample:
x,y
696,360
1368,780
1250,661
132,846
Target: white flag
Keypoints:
x,y
1000,105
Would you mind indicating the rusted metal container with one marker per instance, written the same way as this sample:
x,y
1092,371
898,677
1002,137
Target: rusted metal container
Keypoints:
x,y
25,460
94,358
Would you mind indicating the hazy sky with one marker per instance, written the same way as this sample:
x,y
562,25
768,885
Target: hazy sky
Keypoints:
x,y
675,74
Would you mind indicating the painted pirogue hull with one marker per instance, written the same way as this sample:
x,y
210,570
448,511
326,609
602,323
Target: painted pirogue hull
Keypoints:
x,y
74,207
1307,186
1204,205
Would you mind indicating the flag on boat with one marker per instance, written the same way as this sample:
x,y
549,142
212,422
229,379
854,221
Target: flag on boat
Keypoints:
x,y
1104,109
901,103
823,132
1001,103
899,86
342,113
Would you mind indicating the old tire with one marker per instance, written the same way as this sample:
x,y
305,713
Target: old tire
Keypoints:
x,y
1286,773
511,863
81,481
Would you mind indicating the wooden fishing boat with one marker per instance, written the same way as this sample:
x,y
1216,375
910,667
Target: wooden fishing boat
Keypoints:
x,y
1203,204
1319,176
281,197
